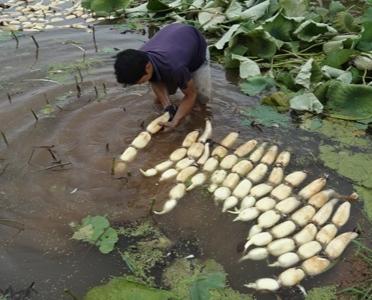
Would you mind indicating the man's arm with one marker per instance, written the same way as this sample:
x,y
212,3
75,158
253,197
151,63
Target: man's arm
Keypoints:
x,y
161,93
186,105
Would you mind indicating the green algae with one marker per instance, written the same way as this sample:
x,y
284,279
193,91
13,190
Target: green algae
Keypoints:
x,y
322,293
124,288
343,132
356,166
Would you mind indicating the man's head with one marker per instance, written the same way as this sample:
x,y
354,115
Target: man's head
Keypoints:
x,y
133,66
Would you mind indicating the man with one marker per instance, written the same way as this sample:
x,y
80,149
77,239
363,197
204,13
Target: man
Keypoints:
x,y
174,58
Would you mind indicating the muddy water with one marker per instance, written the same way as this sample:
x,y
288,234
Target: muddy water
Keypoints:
x,y
84,133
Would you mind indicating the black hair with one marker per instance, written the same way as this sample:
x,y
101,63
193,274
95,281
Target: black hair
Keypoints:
x,y
130,66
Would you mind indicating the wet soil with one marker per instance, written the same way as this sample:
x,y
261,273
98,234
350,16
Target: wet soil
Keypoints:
x,y
86,132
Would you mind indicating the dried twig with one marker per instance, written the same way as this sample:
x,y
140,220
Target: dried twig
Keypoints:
x,y
94,38
96,91
104,88
113,162
77,87
4,138
57,165
37,47
4,169
107,147
80,74
16,38
9,98
52,154
35,115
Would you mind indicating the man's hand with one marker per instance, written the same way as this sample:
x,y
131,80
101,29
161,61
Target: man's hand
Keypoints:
x,y
168,126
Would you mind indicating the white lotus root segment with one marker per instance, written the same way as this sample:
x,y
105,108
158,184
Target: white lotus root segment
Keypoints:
x,y
245,148
320,198
261,190
222,149
335,247
207,133
326,234
242,189
264,284
280,246
154,126
309,249
307,234
149,172
276,176
247,214
291,277
229,140
283,159
303,215
270,155
265,204
283,229
197,180
186,173
228,161
295,178
315,265
258,173
219,151
324,213
288,205
168,174
165,165
258,153
230,202
178,154
286,260
184,163
210,165
247,201
242,167
281,192
259,239
190,139
203,159
195,150
217,178
221,193
312,188
255,254
254,230
268,218
167,207
129,154
342,214
231,181
141,140
177,192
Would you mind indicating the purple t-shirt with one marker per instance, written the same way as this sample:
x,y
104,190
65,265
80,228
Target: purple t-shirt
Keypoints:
x,y
176,51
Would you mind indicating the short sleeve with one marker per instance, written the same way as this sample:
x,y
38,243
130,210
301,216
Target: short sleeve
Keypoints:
x,y
182,76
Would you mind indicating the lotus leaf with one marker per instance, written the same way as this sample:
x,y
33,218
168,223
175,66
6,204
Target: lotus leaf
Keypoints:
x,y
365,42
234,10
226,37
310,30
248,68
280,27
294,8
255,85
211,17
256,12
306,102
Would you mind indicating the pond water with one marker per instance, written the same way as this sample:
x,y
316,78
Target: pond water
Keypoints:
x,y
85,133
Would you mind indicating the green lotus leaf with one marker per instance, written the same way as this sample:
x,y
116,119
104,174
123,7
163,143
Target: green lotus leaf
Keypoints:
x,y
349,101
278,99
137,11
105,6
226,37
310,30
344,22
363,62
230,63
204,282
108,240
308,73
197,4
255,85
294,8
248,68
332,46
280,27
337,58
234,10
335,7
306,102
157,6
258,42
256,12
211,17
365,42
334,73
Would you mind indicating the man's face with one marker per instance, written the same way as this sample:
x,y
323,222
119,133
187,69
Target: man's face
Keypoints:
x,y
148,74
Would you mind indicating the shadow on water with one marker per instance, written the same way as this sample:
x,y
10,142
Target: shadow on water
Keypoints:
x,y
84,134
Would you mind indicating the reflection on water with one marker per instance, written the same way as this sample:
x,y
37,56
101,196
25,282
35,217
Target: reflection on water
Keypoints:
x,y
83,134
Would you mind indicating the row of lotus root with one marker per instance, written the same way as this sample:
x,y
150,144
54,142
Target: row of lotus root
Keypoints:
x,y
298,229
43,15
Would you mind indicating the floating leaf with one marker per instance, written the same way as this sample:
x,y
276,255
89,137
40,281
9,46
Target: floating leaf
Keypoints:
x,y
204,282
306,102
266,115
108,240
256,12
338,58
255,85
278,99
226,37
126,288
211,17
294,8
248,68
349,101
310,30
